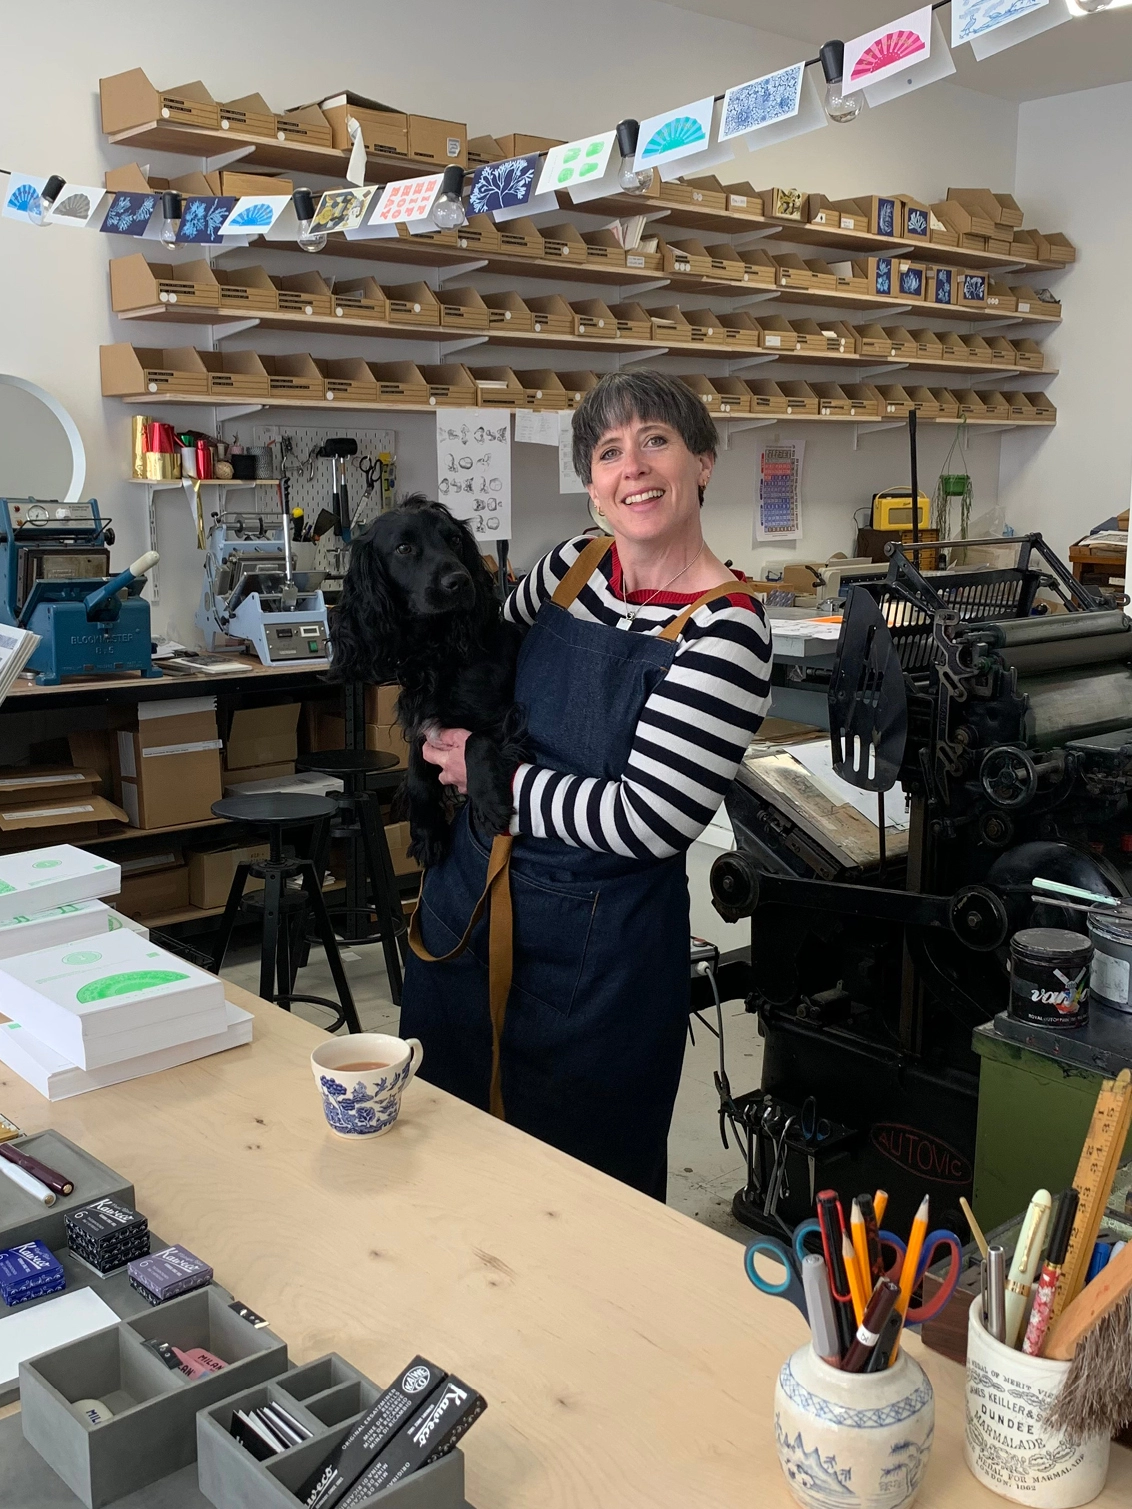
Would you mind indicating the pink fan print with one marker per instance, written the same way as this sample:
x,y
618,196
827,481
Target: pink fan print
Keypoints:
x,y
886,50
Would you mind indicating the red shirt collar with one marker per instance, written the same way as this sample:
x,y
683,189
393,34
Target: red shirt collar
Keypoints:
x,y
663,599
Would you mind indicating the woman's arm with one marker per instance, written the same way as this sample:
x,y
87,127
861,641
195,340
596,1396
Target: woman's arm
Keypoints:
x,y
537,587
692,734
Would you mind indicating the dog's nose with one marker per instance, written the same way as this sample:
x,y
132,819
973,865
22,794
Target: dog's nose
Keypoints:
x,y
452,581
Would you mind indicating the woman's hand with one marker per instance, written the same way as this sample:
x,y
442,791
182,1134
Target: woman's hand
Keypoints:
x,y
444,748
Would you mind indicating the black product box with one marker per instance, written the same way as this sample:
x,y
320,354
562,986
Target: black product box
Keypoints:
x,y
430,1434
374,1430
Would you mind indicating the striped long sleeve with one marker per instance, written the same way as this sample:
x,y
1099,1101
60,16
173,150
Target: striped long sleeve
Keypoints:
x,y
692,733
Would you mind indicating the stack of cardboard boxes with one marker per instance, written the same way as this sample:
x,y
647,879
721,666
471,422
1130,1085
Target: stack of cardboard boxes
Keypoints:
x,y
383,732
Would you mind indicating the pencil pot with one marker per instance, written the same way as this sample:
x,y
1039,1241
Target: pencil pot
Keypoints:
x,y
1006,1443
860,1439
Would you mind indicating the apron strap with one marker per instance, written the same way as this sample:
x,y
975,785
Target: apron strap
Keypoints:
x,y
580,572
500,954
725,589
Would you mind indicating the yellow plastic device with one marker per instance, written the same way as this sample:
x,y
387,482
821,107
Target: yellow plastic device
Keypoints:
x,y
892,509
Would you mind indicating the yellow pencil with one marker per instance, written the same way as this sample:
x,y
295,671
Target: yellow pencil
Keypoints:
x,y
859,1295
912,1256
861,1249
880,1204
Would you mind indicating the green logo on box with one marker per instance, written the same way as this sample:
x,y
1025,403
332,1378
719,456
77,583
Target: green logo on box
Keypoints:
x,y
46,864
86,956
127,984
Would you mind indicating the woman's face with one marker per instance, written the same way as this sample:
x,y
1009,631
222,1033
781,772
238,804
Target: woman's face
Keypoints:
x,y
646,481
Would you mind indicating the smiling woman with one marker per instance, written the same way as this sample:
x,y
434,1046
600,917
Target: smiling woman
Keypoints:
x,y
643,674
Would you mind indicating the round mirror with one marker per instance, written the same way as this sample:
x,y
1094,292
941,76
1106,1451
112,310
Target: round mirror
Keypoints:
x,y
41,453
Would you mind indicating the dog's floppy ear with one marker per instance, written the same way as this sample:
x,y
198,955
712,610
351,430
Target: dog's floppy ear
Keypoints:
x,y
486,605
366,626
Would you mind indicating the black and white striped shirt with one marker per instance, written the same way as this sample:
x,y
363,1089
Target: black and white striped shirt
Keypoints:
x,y
692,733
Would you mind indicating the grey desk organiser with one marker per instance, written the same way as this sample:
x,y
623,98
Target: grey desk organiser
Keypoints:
x,y
152,1432
24,1219
327,1396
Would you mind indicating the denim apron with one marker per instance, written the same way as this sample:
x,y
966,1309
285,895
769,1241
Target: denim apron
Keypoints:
x,y
593,1039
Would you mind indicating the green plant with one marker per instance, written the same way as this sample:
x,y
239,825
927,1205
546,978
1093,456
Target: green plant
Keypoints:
x,y
954,482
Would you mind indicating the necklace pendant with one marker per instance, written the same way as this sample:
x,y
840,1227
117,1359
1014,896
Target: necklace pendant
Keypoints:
x,y
626,622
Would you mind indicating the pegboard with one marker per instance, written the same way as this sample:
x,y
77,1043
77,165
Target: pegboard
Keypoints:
x,y
311,495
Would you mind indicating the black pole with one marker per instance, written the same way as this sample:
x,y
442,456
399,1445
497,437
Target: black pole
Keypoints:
x,y
915,477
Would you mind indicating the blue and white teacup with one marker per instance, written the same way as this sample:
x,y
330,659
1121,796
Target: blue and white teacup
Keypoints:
x,y
361,1079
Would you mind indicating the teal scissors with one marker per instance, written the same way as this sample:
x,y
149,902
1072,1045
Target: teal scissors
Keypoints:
x,y
789,1286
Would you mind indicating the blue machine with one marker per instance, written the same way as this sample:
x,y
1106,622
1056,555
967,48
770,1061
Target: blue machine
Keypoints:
x,y
55,568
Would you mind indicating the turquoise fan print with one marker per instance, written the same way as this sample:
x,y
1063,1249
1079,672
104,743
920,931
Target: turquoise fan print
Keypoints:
x,y
25,199
252,215
680,131
893,47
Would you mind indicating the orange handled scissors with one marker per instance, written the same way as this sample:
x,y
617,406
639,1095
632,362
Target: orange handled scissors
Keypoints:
x,y
918,1314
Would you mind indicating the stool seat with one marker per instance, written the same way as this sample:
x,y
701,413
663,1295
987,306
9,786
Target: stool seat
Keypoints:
x,y
274,808
346,762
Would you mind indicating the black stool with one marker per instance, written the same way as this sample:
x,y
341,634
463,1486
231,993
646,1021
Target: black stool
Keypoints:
x,y
272,814
366,776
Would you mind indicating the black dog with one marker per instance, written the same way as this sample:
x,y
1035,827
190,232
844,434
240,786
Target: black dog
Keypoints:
x,y
418,607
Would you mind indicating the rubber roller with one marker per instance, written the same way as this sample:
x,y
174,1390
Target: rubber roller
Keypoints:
x,y
1076,704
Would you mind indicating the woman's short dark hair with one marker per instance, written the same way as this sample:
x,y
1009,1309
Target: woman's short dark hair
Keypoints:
x,y
623,396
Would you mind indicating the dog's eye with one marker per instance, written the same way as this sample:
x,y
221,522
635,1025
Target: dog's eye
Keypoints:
x,y
404,549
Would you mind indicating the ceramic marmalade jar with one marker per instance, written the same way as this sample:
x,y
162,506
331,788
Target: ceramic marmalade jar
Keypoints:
x,y
853,1440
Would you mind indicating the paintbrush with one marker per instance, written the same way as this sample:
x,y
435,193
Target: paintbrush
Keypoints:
x,y
1095,1330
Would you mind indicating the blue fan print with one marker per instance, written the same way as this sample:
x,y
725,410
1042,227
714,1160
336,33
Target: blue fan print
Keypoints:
x,y
253,217
25,199
503,185
681,131
129,214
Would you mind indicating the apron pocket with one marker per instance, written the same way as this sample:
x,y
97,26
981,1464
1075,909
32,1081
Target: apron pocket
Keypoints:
x,y
552,929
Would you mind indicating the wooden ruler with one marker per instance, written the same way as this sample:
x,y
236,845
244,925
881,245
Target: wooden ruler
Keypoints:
x,y
1104,1143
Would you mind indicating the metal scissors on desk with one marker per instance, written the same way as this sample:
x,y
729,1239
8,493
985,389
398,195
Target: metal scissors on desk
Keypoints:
x,y
790,1259
918,1314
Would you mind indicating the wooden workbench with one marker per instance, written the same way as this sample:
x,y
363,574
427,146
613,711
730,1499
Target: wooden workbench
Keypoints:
x,y
627,1362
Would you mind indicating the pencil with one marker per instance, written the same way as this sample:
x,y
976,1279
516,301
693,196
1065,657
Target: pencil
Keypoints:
x,y
861,1246
912,1256
853,1273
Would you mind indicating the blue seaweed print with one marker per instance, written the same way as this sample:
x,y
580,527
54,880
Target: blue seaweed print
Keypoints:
x,y
761,102
886,217
912,281
202,219
916,223
973,18
943,285
129,214
884,275
503,185
974,286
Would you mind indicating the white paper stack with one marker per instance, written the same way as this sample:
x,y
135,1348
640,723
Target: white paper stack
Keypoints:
x,y
39,879
110,997
62,924
16,649
51,1074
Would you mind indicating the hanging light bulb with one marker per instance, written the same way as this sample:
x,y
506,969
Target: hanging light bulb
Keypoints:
x,y
37,212
631,180
448,207
839,106
172,207
309,240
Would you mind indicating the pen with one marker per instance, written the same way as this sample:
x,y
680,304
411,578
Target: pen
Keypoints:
x,y
856,1289
872,1239
880,1307
1025,1263
1051,1272
996,1292
1102,1252
57,1183
912,1256
976,1229
27,1182
885,1349
819,1307
880,1204
861,1246
831,1223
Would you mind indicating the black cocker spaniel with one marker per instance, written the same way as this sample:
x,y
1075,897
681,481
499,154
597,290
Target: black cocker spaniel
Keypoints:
x,y
418,607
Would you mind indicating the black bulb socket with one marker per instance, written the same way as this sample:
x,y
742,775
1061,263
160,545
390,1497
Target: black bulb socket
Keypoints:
x,y
627,133
832,57
52,189
303,200
172,205
453,182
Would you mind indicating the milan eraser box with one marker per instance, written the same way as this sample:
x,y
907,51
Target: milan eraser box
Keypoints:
x,y
111,997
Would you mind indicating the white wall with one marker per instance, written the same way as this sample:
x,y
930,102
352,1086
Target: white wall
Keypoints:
x,y
514,66
1074,169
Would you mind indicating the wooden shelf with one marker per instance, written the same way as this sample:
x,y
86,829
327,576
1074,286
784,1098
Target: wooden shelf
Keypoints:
x,y
199,913
114,837
917,310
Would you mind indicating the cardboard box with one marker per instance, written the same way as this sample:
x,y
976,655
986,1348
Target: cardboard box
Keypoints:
x,y
967,217
450,385
707,192
897,403
560,241
853,216
982,205
633,321
91,750
793,272
576,385
865,401
644,258
593,317
1001,296
304,293
542,389
381,703
972,287
361,299
742,199
522,238
72,819
232,779
210,873
519,145
304,124
948,403
1001,351
734,395
551,313
688,258
726,263
388,739
879,274
1024,245
385,133
508,309
881,213
766,396
800,398
498,388
760,268
294,376
843,338
439,142
970,403
904,345
246,288
812,337
238,184
941,286
40,783
484,149
778,333
324,727
347,377
832,401
1028,353
479,234
1044,411
953,346
262,736
136,283
995,405
398,837
822,211
167,765
711,323
134,371
744,328
463,308
874,341
851,279
240,374
929,347
155,893
910,279
1021,410
604,249
129,99
412,304
702,388
913,219
1036,301
1055,247
399,382
925,404
251,115
783,204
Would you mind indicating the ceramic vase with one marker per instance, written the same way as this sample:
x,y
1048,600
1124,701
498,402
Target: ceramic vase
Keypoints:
x,y
853,1440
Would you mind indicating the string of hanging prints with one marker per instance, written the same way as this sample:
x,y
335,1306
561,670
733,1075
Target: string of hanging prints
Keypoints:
x,y
882,64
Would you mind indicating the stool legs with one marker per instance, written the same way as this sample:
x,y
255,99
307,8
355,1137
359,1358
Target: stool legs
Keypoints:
x,y
312,884
274,931
231,911
387,900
